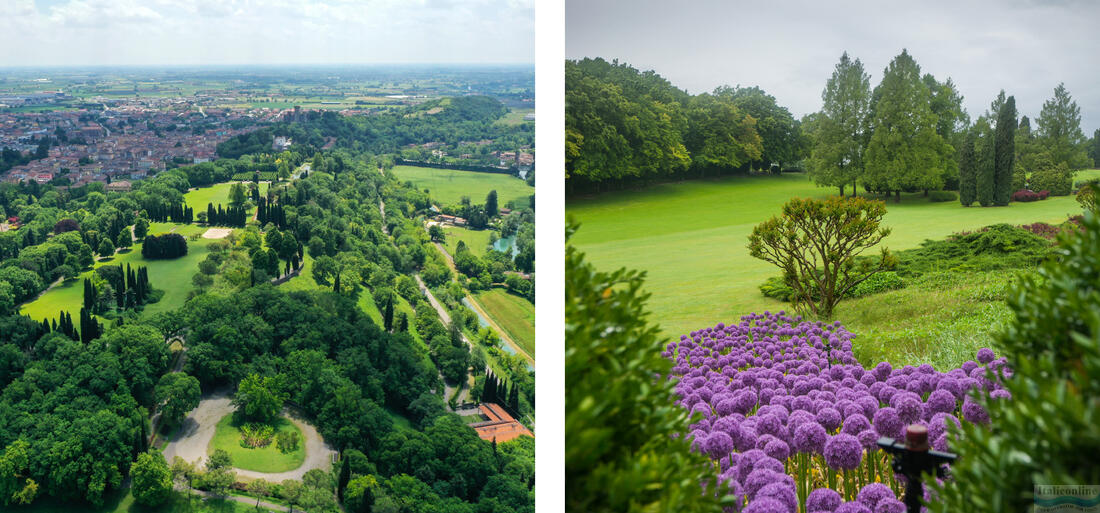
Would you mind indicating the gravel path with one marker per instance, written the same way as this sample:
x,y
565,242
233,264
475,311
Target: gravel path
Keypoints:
x,y
193,438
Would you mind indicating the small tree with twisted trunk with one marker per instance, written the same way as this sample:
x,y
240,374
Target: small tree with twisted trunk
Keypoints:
x,y
816,242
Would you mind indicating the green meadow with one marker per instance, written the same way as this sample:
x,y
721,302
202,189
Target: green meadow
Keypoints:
x,y
690,238
199,198
172,276
448,186
514,314
476,240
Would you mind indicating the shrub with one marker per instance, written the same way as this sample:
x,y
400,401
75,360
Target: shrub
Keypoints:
x,y
1052,348
1087,194
1056,179
286,441
881,282
1025,196
254,435
169,245
941,196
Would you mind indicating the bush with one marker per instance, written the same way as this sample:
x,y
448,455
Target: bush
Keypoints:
x,y
941,196
1025,196
1056,179
169,245
1052,347
880,282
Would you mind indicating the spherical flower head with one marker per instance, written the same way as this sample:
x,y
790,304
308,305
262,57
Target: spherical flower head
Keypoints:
x,y
1000,393
874,493
968,366
940,444
777,449
718,445
887,422
810,438
782,492
760,478
974,412
852,507
771,425
746,462
890,505
746,400
868,439
767,505
769,463
886,393
829,418
882,371
908,405
843,452
856,424
747,440
701,408
823,500
941,401
985,355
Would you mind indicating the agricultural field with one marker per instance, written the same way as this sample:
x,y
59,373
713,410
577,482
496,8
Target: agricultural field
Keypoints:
x,y
227,436
173,276
515,117
514,314
691,238
448,186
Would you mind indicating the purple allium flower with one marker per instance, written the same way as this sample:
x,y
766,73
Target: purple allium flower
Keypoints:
x,y
974,412
777,449
843,452
868,439
810,438
852,507
719,444
747,440
941,401
855,424
782,492
968,366
890,505
746,398
873,493
746,462
727,406
702,408
770,425
908,405
882,371
823,500
985,355
887,422
1000,393
940,444
767,505
828,418
763,477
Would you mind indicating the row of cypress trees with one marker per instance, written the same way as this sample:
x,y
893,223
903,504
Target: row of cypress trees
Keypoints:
x,y
231,216
498,391
90,329
987,159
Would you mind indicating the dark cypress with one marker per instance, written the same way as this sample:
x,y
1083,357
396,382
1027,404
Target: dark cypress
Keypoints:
x,y
1005,152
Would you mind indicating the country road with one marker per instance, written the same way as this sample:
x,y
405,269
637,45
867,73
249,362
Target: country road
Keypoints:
x,y
446,318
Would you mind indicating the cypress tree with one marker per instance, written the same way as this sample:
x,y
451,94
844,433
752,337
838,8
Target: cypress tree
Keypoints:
x,y
46,325
345,476
983,163
387,317
967,172
336,283
1005,152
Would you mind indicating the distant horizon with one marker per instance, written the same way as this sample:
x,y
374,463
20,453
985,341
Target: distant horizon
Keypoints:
x,y
277,65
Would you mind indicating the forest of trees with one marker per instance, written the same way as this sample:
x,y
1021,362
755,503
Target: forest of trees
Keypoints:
x,y
623,126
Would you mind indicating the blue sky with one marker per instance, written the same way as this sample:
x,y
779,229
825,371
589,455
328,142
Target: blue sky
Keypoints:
x,y
195,32
790,47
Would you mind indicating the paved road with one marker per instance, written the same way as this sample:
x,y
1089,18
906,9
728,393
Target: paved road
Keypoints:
x,y
446,318
193,438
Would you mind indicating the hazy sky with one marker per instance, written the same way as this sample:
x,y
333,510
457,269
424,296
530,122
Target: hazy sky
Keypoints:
x,y
789,48
190,32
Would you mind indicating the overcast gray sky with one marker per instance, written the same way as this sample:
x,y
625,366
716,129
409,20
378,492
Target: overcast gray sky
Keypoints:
x,y
789,48
195,32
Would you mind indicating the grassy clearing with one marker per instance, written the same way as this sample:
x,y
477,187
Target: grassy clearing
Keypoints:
x,y
691,239
227,436
400,421
199,198
448,186
516,315
476,240
515,117
172,276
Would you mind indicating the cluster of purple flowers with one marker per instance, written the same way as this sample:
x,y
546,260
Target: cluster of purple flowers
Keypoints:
x,y
769,398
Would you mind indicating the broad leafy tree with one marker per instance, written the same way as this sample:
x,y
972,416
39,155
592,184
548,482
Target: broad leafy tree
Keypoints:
x,y
260,399
176,394
152,479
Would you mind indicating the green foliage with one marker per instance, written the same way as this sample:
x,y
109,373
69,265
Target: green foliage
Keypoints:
x,y
176,394
1045,433
1058,179
260,399
255,435
1059,130
815,244
287,441
942,196
838,138
151,479
620,418
15,486
985,158
1005,152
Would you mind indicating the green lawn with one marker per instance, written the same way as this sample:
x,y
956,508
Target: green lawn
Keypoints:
x,y
199,198
227,436
516,315
476,240
691,237
448,186
172,276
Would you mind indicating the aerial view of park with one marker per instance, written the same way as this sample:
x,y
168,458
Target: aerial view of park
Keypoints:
x,y
861,287
265,287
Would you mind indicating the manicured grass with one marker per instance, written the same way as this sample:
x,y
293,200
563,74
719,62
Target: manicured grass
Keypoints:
x,y
172,276
516,315
476,240
448,186
199,198
227,436
691,239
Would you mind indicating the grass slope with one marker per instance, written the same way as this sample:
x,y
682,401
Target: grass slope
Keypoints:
x,y
691,238
172,276
448,186
514,314
227,436
199,198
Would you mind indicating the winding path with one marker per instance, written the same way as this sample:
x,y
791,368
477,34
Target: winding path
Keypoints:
x,y
193,438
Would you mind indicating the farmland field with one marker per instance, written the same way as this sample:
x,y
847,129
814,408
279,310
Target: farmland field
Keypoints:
x,y
514,314
448,186
691,238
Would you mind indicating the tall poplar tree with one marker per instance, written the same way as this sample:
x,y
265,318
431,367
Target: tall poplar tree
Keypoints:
x,y
984,158
904,152
836,158
1004,152
968,170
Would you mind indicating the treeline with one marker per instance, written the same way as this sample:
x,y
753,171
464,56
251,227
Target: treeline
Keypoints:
x,y
168,245
911,133
624,127
234,216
